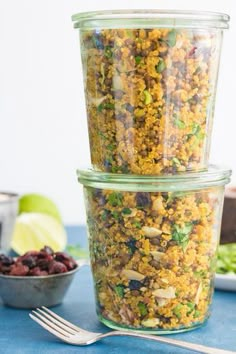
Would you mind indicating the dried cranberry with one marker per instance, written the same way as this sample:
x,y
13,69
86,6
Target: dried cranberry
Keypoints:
x,y
4,260
19,269
47,250
43,264
37,272
57,267
29,261
69,262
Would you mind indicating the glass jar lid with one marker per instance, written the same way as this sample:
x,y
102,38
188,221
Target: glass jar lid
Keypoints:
x,y
150,19
214,176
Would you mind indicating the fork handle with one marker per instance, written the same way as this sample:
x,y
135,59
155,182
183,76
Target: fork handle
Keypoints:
x,y
177,343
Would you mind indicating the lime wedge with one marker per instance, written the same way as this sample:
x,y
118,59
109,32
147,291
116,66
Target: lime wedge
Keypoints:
x,y
37,203
35,230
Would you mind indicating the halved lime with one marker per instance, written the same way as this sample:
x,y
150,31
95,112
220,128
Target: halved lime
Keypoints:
x,y
35,230
37,203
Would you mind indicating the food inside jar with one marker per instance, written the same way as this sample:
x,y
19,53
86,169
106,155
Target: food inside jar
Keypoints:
x,y
153,255
150,97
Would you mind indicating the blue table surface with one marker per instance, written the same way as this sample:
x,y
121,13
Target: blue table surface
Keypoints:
x,y
19,334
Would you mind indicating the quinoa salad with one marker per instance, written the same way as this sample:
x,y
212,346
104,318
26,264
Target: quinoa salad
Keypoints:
x,y
150,98
153,256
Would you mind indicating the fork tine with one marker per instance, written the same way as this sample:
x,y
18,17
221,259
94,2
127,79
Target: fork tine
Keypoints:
x,y
59,323
48,328
52,325
62,320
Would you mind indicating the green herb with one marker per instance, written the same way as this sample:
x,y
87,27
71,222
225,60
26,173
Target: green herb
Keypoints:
x,y
177,310
137,224
138,59
102,135
102,106
196,131
200,273
115,199
115,169
108,52
116,215
160,66
176,161
179,123
126,211
105,214
181,235
119,290
77,252
191,307
197,71
171,38
196,314
226,260
142,309
111,147
148,97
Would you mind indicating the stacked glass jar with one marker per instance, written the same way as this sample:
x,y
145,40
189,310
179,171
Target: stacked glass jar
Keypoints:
x,y
153,204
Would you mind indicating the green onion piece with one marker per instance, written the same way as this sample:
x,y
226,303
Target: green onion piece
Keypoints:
x,y
105,106
138,59
148,97
181,235
116,215
108,52
171,38
177,310
176,161
137,224
142,309
126,211
115,199
160,66
179,123
119,290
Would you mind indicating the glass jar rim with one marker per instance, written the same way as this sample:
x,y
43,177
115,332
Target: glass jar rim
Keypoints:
x,y
150,17
214,176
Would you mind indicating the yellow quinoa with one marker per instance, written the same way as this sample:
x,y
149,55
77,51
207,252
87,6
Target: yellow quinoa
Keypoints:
x,y
150,98
153,256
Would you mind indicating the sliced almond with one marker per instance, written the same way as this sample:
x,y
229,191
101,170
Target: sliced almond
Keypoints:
x,y
132,274
151,231
168,293
161,302
198,294
151,322
157,255
157,204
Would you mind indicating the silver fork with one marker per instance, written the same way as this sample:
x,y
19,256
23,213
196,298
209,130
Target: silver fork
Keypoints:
x,y
75,335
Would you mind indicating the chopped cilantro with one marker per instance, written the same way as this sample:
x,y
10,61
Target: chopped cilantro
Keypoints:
x,y
115,199
142,309
119,290
160,66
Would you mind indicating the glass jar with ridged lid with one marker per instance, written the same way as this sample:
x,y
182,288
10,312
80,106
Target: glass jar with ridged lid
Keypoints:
x,y
153,242
150,79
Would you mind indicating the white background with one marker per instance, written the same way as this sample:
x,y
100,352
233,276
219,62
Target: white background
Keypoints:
x,y
42,114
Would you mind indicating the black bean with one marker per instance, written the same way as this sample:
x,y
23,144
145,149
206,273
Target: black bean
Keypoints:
x,y
131,244
135,285
143,199
129,107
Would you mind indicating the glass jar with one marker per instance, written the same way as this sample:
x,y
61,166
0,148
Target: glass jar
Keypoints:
x,y
150,80
153,244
